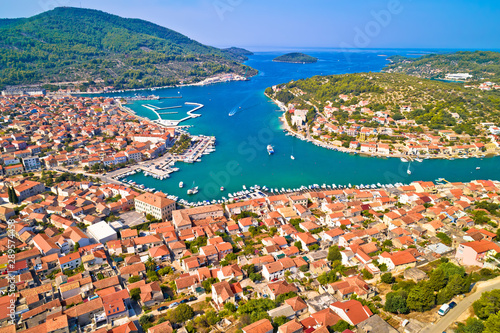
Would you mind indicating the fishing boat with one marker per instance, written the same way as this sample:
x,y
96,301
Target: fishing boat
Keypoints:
x,y
181,184
270,149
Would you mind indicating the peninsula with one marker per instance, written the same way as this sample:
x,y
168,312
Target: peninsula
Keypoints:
x,y
296,58
88,50
391,115
458,66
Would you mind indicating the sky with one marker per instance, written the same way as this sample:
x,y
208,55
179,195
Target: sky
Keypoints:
x,y
288,24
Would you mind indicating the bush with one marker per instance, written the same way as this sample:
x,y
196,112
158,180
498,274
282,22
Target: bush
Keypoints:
x,y
134,278
366,274
135,294
181,313
387,278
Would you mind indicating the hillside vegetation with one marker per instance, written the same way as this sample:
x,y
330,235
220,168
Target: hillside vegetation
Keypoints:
x,y
432,102
73,44
296,58
480,64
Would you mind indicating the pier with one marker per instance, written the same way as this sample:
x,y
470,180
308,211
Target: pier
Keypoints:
x,y
155,108
205,145
190,114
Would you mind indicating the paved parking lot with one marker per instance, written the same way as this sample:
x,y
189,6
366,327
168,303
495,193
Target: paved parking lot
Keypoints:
x,y
132,218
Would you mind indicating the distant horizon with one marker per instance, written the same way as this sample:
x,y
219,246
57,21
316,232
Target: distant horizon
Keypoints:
x,y
323,24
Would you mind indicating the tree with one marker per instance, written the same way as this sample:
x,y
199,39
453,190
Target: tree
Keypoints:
x,y
492,324
304,268
456,285
334,253
135,294
12,195
280,320
387,278
437,280
444,238
255,277
165,270
327,277
488,303
396,302
134,278
9,192
230,307
366,274
298,244
150,264
212,317
207,284
472,325
281,298
421,298
387,243
314,247
100,276
341,326
253,231
181,313
145,319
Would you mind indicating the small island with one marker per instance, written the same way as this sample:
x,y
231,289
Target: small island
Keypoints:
x,y
296,58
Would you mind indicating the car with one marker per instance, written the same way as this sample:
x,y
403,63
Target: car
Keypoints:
x,y
173,305
184,301
162,308
192,298
452,305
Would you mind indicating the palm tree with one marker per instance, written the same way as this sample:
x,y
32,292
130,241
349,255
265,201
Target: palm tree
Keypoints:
x,y
150,264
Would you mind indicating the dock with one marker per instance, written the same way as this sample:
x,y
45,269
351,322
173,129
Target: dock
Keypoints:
x,y
204,146
190,114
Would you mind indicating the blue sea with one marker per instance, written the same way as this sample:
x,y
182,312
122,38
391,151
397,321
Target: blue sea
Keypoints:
x,y
241,157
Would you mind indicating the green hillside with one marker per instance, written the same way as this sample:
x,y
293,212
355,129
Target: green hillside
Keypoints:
x,y
296,58
480,64
433,102
73,44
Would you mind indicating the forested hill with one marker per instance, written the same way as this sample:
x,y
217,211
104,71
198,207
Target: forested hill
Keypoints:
x,y
432,103
479,64
75,44
296,58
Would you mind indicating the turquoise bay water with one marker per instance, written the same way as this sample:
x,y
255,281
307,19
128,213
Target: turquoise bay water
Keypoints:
x,y
241,157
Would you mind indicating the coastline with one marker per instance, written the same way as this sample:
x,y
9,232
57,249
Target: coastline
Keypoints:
x,y
207,81
296,62
326,145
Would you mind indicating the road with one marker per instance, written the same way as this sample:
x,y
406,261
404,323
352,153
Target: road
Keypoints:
x,y
452,316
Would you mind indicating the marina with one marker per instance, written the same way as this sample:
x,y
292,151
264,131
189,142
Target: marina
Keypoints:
x,y
241,155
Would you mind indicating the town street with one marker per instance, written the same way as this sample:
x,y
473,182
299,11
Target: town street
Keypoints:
x,y
452,316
